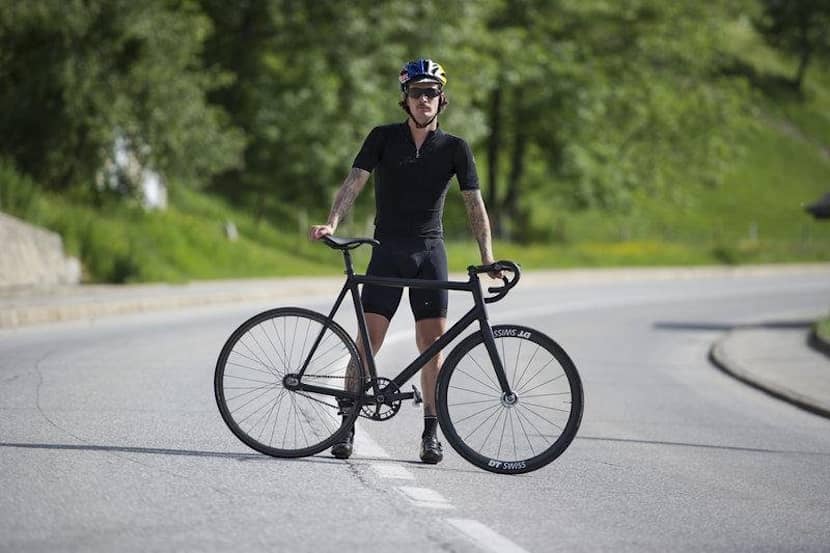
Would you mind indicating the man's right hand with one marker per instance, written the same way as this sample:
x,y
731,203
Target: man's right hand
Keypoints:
x,y
318,231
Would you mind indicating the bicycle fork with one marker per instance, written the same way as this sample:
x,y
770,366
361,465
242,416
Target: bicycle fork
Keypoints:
x,y
508,397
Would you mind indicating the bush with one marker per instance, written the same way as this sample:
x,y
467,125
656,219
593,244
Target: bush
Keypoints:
x,y
17,191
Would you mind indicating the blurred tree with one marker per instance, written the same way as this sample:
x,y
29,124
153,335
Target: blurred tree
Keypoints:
x,y
612,98
310,80
799,27
75,76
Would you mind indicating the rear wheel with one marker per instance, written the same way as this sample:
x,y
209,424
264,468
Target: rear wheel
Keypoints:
x,y
510,434
250,382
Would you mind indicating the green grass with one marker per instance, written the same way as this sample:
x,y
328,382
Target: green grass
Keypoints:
x,y
754,216
123,243
823,329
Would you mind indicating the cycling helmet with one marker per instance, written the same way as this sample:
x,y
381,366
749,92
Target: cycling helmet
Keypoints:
x,y
422,69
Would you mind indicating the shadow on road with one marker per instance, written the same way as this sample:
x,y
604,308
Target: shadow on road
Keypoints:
x,y
704,446
725,327
220,454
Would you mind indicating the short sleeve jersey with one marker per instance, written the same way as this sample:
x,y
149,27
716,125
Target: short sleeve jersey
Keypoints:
x,y
411,184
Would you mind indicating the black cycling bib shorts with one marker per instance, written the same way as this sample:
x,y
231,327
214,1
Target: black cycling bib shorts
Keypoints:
x,y
412,258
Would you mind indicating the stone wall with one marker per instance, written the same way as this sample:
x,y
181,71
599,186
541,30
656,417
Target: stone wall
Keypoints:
x,y
31,256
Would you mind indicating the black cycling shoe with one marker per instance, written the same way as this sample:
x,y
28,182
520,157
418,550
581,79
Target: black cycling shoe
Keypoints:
x,y
344,449
431,452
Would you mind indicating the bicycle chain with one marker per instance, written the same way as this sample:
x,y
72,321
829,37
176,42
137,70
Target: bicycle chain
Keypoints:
x,y
360,414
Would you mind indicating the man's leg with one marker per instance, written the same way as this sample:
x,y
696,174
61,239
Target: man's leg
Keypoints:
x,y
376,325
428,331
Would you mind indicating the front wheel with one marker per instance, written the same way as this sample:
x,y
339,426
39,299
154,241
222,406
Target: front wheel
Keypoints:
x,y
510,433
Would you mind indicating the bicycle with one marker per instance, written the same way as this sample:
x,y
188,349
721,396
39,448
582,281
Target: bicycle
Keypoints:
x,y
508,398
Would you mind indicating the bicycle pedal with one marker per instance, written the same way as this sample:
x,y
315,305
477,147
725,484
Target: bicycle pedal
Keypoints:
x,y
416,397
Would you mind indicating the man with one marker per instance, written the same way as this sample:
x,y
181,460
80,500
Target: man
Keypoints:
x,y
413,163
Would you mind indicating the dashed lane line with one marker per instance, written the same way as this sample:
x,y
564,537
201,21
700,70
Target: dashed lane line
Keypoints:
x,y
392,471
425,497
484,537
477,532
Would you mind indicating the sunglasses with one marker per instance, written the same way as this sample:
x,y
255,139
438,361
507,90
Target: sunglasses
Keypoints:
x,y
428,92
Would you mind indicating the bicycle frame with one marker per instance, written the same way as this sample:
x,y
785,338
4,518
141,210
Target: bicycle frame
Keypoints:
x,y
477,313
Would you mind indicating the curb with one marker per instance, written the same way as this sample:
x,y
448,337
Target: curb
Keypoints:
x,y
817,342
154,298
721,359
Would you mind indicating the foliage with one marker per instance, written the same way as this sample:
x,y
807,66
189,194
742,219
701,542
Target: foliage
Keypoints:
x,y
635,132
823,329
75,75
799,27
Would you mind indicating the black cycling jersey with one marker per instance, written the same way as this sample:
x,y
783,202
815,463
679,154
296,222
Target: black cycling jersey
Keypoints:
x,y
411,184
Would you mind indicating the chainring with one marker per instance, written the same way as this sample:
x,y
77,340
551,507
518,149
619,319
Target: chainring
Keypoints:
x,y
378,408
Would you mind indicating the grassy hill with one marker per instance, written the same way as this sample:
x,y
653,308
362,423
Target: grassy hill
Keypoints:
x,y
755,216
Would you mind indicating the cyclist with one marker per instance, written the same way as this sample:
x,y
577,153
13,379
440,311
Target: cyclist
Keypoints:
x,y
413,163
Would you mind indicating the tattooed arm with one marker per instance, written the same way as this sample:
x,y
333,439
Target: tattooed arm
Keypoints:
x,y
479,223
351,187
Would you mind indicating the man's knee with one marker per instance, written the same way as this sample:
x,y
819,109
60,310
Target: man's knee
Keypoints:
x,y
427,331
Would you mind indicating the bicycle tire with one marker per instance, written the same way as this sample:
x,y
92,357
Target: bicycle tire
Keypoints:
x,y
249,388
470,402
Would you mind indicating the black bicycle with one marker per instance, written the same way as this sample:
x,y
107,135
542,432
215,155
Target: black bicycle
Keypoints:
x,y
289,382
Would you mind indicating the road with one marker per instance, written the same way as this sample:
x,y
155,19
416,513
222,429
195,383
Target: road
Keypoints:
x,y
110,439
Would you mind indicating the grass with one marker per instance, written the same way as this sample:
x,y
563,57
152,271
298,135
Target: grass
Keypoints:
x,y
823,329
755,216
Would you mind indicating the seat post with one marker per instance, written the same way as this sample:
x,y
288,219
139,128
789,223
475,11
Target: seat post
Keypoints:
x,y
347,260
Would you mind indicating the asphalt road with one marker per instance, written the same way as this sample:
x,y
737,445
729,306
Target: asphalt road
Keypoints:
x,y
110,439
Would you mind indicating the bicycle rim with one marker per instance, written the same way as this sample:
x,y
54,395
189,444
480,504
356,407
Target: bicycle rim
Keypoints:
x,y
249,389
503,434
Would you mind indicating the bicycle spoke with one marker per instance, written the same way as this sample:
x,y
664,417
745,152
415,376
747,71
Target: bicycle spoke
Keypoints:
x,y
524,431
471,391
251,390
283,360
527,366
248,379
484,372
518,354
540,416
496,422
482,422
546,407
546,382
530,423
470,402
265,419
269,373
270,369
265,353
513,435
503,426
257,410
462,371
537,373
478,412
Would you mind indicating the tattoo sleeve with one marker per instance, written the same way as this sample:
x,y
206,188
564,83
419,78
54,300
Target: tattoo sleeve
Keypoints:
x,y
351,187
479,223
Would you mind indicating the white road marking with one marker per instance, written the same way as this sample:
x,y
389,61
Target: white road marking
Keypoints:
x,y
425,497
485,537
365,446
392,471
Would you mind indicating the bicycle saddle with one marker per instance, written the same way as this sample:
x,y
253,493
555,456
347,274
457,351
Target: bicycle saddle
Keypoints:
x,y
338,243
